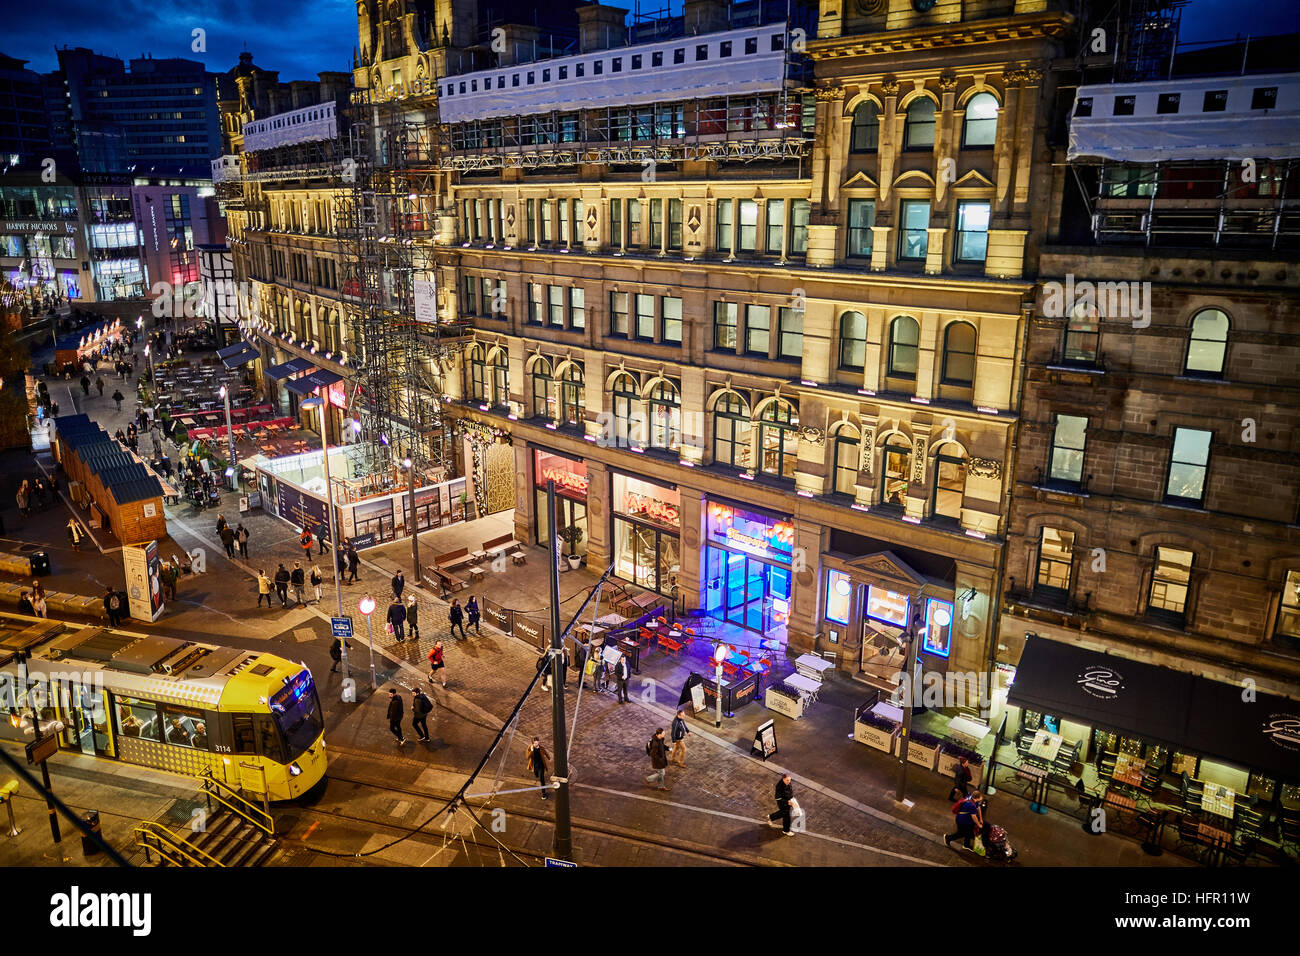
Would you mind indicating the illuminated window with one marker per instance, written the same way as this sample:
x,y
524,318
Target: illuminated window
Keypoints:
x,y
839,594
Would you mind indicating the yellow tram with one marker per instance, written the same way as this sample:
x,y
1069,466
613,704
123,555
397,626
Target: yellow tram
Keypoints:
x,y
251,719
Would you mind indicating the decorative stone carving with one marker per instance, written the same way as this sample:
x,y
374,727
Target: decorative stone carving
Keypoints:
x,y
918,460
868,448
948,82
829,93
889,86
813,435
871,8
984,468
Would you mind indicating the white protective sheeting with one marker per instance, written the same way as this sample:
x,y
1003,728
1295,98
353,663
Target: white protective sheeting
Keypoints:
x,y
1242,129
297,126
734,75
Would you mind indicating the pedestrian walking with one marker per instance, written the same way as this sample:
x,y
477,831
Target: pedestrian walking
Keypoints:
x,y
784,800
397,620
228,540
22,497
582,652
75,534
970,820
538,763
679,733
282,585
354,562
399,584
221,524
117,397
320,537
298,578
85,385
413,617
113,607
471,609
168,575
336,654
658,753
961,777
456,615
241,538
342,562
99,385
622,672
305,542
263,589
317,578
421,707
544,667
395,709
437,667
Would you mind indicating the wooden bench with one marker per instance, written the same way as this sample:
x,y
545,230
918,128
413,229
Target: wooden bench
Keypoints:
x,y
451,559
504,543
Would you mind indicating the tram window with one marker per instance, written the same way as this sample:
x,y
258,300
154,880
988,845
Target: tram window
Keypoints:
x,y
245,741
269,740
138,718
182,726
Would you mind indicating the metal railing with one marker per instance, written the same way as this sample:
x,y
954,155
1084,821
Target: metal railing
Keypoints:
x,y
232,800
175,850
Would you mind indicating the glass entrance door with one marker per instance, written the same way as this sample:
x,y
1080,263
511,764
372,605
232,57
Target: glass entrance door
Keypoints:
x,y
86,720
746,591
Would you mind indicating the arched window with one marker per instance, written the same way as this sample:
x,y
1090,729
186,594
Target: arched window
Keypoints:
x,y
847,445
731,431
1208,345
949,482
778,439
853,341
904,339
918,131
981,127
1082,335
866,129
897,457
665,417
477,386
959,355
573,394
500,378
627,411
543,394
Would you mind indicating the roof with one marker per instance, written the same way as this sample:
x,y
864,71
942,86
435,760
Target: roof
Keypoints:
x,y
139,489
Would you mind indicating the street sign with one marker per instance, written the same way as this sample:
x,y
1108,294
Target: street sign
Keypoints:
x,y
43,749
560,864
342,627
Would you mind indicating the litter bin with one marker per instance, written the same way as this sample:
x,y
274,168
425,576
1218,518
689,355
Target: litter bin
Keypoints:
x,y
40,562
88,846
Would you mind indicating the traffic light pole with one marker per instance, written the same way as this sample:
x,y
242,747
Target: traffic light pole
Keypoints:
x,y
563,833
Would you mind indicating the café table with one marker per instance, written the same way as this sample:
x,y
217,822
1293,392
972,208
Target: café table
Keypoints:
x,y
812,667
1128,770
806,687
1219,800
1046,746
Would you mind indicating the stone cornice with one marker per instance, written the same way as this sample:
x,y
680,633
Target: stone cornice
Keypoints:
x,y
1002,30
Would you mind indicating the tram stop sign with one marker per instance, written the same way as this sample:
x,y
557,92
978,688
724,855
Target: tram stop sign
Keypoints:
x,y
342,627
552,863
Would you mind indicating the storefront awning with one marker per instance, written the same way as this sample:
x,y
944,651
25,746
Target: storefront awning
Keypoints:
x,y
285,369
245,355
1262,733
230,350
319,378
1105,691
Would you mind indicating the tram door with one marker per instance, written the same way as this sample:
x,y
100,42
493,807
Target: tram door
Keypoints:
x,y
85,716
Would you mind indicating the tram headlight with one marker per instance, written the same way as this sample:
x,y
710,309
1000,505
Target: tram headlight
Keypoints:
x,y
294,769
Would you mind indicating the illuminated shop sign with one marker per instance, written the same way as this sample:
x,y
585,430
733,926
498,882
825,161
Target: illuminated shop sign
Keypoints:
x,y
938,628
338,395
570,476
888,606
650,502
755,534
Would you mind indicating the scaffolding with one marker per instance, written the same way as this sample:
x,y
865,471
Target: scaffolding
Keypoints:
x,y
385,228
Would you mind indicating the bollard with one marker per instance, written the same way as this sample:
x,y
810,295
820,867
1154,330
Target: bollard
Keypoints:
x,y
90,847
7,798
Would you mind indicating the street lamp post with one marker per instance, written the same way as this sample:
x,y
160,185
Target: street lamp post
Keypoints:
x,y
313,402
719,654
909,696
409,465
367,607
149,355
232,473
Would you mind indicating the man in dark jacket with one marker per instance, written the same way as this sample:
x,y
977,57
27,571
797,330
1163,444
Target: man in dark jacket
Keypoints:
x,y
282,585
399,583
397,618
336,654
228,539
321,534
678,733
413,617
298,578
970,821
622,672
395,710
657,748
421,707
353,563
784,794
113,608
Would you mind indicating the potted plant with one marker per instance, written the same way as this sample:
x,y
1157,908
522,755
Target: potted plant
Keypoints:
x,y
874,731
571,535
951,752
923,749
464,505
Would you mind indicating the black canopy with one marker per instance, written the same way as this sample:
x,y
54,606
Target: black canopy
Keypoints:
x,y
1262,733
1113,693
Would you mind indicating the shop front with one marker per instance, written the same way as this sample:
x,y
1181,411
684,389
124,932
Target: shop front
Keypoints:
x,y
647,526
747,570
570,477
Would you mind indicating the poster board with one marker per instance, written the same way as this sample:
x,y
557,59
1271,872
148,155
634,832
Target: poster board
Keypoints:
x,y
693,694
764,740
143,584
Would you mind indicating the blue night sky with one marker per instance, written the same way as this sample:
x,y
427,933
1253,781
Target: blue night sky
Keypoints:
x,y
300,38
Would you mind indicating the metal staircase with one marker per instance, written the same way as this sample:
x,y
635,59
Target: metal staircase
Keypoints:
x,y
233,832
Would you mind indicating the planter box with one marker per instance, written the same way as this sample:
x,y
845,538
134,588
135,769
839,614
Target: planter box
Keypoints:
x,y
781,704
922,755
948,766
874,737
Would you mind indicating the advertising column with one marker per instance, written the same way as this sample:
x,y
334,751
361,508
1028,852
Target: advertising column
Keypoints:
x,y
143,587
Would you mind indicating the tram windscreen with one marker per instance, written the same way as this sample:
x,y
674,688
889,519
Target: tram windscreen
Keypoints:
x,y
297,710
